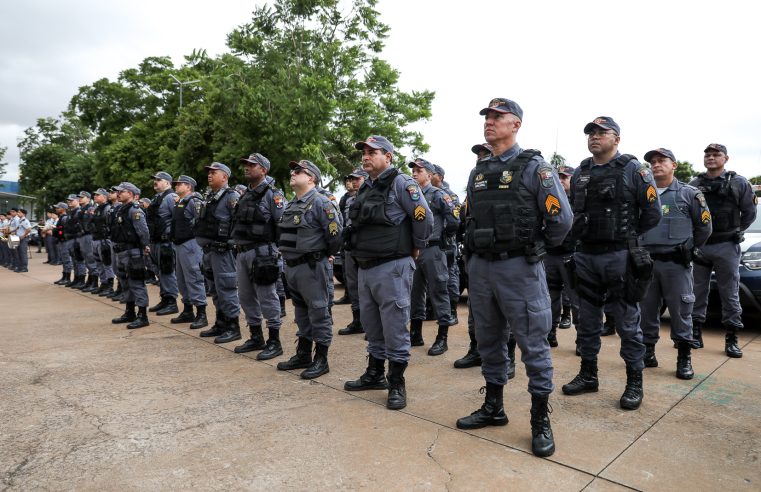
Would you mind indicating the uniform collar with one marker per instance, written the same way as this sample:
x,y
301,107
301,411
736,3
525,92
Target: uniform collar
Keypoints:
x,y
307,195
260,186
426,187
509,153
371,182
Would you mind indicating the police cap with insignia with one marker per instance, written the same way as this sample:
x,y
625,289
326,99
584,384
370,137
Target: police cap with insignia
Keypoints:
x,y
438,170
185,179
604,122
72,197
357,173
255,159
127,186
566,170
307,166
218,166
162,175
660,151
716,147
484,147
101,191
85,194
376,142
61,205
503,105
422,163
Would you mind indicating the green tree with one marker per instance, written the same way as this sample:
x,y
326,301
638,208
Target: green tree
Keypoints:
x,y
684,171
3,150
755,180
557,160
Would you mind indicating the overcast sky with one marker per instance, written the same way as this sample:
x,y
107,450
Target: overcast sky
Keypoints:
x,y
673,74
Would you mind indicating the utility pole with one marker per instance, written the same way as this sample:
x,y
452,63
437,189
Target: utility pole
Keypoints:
x,y
181,84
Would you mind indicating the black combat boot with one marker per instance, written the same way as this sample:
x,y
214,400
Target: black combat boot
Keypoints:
x,y
200,320
301,360
273,348
730,344
632,397
85,282
552,336
440,344
374,377
416,333
232,331
492,412
65,279
78,283
256,342
282,307
355,326
511,354
170,307
684,361
453,301
219,327
585,381
472,358
650,360
91,284
542,442
106,288
319,365
397,393
128,316
117,292
565,318
141,320
697,334
609,328
186,316
161,305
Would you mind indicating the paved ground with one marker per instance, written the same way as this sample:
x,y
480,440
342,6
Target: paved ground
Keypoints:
x,y
89,405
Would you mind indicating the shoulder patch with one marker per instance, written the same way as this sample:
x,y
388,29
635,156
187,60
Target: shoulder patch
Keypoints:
x,y
419,213
552,204
651,194
701,199
644,172
330,212
545,175
136,216
414,192
456,211
705,217
278,200
333,228
755,199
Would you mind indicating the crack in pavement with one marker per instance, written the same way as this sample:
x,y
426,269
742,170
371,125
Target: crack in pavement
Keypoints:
x,y
430,451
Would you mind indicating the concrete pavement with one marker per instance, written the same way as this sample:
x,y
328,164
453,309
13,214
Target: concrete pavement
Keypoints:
x,y
90,405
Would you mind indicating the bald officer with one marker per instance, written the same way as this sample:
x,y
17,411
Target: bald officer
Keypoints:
x,y
733,205
390,223
515,205
614,201
686,224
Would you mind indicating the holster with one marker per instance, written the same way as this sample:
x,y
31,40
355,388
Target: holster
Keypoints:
x,y
639,274
264,269
685,253
569,264
105,253
699,259
136,268
535,252
166,258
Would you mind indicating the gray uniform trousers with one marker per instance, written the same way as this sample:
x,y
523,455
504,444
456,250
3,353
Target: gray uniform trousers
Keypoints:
x,y
189,257
220,268
608,269
351,279
257,301
51,247
512,294
105,272
279,285
558,283
85,244
384,307
69,260
133,289
725,258
672,284
22,253
309,293
453,284
431,276
167,281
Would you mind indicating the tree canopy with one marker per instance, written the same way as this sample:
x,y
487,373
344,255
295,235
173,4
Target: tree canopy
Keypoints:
x,y
303,80
3,150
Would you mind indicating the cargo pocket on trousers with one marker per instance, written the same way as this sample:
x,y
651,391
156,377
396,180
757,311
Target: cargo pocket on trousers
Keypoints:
x,y
685,307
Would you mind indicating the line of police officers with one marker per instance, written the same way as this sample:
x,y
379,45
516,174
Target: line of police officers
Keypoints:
x,y
620,234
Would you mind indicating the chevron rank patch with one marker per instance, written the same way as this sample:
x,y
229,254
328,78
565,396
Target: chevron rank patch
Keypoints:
x,y
651,194
552,204
333,228
705,217
419,213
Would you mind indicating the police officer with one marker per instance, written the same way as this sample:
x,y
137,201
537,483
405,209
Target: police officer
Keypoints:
x,y
101,242
614,201
451,248
351,192
732,204
431,272
514,204
350,269
390,223
555,265
72,231
686,224
113,197
67,265
212,232
253,234
132,245
85,215
339,217
159,217
309,232
188,254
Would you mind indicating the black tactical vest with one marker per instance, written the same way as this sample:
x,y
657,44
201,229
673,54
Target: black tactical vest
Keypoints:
x,y
71,228
248,222
503,215
100,222
182,221
59,228
86,218
374,236
156,224
610,208
723,204
294,235
113,212
124,232
208,225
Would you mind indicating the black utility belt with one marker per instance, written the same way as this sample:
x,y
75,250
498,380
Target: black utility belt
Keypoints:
x,y
311,258
433,243
672,256
217,247
119,247
597,248
161,239
242,248
184,240
366,264
504,255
